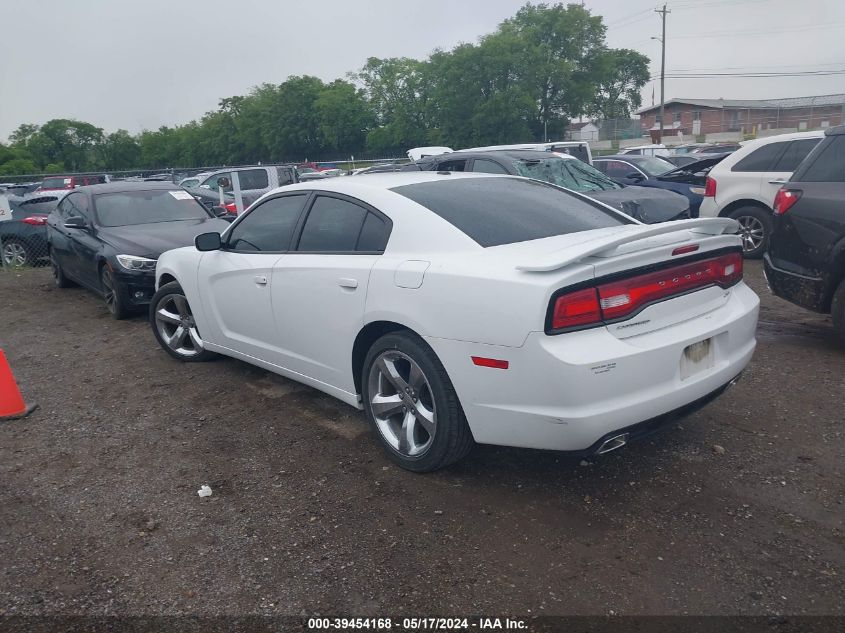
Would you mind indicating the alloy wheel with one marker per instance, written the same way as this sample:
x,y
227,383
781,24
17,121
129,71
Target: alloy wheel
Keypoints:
x,y
752,232
176,326
402,403
109,291
14,254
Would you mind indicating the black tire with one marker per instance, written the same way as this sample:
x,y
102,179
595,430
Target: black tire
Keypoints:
x,y
837,311
58,273
751,220
113,294
15,253
452,438
162,299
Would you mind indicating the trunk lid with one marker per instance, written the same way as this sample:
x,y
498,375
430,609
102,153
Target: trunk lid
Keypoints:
x,y
636,250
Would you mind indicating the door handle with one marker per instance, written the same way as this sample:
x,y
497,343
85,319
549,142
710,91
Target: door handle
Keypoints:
x,y
346,282
261,280
778,181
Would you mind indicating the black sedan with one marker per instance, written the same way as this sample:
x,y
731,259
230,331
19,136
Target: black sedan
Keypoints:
x,y
108,237
644,204
23,236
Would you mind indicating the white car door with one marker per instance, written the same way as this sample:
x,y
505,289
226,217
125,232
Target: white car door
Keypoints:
x,y
779,173
320,288
237,279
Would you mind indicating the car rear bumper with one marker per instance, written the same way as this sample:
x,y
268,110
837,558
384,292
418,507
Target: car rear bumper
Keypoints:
x,y
803,290
572,391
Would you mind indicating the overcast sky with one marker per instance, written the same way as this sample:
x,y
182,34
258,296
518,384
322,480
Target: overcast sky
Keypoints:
x,y
142,64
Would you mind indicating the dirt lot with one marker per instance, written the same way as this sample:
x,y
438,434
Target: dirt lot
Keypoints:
x,y
99,512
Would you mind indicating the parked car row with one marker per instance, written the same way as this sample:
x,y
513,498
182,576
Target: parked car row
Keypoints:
x,y
395,293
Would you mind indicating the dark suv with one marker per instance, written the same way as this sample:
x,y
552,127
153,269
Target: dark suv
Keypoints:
x,y
805,263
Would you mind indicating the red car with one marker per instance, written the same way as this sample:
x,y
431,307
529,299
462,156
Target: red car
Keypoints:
x,y
60,183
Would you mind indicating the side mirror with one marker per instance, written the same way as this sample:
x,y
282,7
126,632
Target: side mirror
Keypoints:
x,y
219,212
636,176
75,222
208,242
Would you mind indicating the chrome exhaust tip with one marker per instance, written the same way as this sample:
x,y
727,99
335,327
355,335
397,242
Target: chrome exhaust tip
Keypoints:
x,y
611,444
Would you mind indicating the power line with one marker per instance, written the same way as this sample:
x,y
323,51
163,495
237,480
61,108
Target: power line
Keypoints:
x,y
816,73
756,32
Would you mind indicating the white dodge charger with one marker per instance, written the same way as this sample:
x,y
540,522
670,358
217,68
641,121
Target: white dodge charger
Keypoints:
x,y
460,308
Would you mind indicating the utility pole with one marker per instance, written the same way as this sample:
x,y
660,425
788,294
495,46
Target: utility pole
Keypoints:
x,y
662,39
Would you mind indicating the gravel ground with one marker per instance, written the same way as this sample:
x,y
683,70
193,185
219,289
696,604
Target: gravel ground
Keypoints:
x,y
736,510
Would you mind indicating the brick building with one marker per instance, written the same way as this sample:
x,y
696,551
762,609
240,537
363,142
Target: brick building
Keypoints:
x,y
707,116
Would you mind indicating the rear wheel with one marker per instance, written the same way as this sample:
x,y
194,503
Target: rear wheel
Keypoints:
x,y
58,273
755,227
837,311
174,327
412,405
113,294
15,253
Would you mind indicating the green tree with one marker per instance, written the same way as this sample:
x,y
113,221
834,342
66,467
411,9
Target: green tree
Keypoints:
x,y
120,150
343,116
620,74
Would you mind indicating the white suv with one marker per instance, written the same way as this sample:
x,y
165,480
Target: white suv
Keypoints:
x,y
744,184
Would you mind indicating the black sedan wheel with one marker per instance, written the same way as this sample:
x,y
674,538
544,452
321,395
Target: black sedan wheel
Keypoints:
x,y
15,253
113,295
58,273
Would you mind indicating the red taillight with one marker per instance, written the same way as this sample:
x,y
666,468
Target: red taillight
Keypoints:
x,y
35,220
784,200
576,309
622,299
494,363
709,188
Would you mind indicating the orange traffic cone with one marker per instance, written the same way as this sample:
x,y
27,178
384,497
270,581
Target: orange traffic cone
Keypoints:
x,y
12,405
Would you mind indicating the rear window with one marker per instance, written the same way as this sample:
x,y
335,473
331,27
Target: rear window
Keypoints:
x,y
496,211
147,207
826,164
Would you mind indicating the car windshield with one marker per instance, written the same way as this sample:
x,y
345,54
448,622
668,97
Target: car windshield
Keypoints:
x,y
654,166
498,210
147,207
569,173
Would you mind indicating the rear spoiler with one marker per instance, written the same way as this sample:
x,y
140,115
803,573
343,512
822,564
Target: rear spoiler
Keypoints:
x,y
564,257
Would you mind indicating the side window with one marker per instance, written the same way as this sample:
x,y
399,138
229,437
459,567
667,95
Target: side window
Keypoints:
x,y
601,165
374,235
63,208
74,204
285,176
486,166
452,165
333,225
795,153
211,181
268,227
618,168
762,159
253,179
828,163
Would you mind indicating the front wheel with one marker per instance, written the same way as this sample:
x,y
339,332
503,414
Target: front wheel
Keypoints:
x,y
174,327
755,227
113,294
411,404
